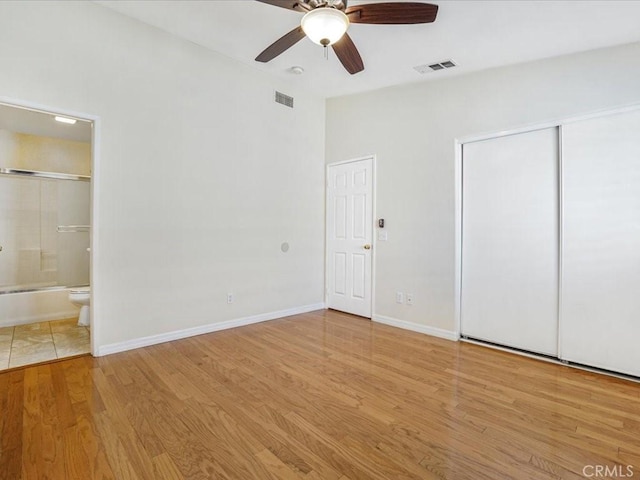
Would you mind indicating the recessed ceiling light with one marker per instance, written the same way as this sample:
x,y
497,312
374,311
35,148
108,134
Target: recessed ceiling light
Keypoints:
x,y
296,70
70,121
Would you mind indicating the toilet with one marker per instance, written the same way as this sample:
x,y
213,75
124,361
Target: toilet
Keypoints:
x,y
81,297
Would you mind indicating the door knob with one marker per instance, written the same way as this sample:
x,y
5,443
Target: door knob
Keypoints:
x,y
367,247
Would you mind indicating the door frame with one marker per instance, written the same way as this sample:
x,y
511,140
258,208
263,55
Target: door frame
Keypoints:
x,y
94,264
374,237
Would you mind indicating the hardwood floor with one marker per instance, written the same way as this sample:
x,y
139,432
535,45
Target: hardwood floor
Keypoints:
x,y
324,396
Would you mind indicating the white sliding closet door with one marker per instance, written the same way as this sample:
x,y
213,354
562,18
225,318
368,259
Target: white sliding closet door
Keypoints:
x,y
601,268
510,241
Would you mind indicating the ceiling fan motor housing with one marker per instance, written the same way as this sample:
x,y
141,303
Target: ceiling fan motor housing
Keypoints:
x,y
337,4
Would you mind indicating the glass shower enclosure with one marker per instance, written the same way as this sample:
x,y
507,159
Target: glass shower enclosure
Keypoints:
x,y
44,230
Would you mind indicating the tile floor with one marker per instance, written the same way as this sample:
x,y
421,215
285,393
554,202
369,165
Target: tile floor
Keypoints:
x,y
40,342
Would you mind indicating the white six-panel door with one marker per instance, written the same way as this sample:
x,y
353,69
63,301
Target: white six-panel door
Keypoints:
x,y
509,290
349,236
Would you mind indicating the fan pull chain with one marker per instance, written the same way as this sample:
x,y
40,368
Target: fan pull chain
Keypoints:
x,y
326,53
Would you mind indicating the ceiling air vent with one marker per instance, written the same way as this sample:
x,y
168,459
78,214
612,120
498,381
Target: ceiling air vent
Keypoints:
x,y
284,99
434,67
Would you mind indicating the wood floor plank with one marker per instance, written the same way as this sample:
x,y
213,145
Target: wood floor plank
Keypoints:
x,y
287,442
123,443
78,378
32,427
318,396
330,448
52,435
11,433
60,393
76,462
91,441
277,469
165,469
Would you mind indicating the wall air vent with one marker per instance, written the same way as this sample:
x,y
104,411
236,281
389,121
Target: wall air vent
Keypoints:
x,y
434,67
285,100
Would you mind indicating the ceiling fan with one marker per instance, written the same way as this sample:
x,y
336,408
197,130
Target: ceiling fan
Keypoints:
x,y
326,22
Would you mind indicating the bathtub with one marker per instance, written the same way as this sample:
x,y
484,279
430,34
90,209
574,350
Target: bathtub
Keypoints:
x,y
36,306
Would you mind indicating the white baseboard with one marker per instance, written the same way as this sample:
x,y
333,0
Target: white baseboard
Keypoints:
x,y
209,328
43,317
414,327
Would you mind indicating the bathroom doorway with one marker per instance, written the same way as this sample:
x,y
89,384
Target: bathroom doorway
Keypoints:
x,y
45,235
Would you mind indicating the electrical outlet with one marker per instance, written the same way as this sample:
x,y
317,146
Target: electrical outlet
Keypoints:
x,y
409,298
399,297
229,297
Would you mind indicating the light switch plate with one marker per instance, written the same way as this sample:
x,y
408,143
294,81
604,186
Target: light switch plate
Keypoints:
x,y
382,236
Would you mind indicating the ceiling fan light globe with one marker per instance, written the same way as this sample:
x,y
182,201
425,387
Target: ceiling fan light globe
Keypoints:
x,y
325,25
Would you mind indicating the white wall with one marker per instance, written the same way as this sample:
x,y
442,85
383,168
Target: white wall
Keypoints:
x,y
412,130
201,176
47,154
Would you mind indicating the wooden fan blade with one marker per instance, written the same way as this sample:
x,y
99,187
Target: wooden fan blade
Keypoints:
x,y
348,54
280,45
392,13
297,5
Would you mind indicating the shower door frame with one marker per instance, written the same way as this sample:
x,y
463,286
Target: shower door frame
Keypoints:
x,y
13,172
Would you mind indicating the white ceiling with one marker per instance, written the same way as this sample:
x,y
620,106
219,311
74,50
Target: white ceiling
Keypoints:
x,y
476,34
22,120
